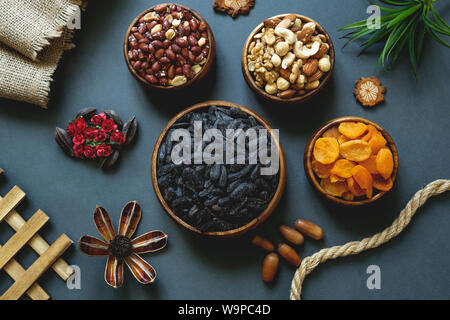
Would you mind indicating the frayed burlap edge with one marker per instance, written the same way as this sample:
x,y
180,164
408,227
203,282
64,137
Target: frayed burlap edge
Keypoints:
x,y
57,28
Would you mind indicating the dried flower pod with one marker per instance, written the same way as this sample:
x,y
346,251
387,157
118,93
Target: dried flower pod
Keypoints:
x,y
63,139
107,163
113,115
86,113
130,129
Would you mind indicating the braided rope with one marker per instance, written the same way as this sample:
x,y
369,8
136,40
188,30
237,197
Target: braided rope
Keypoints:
x,y
351,248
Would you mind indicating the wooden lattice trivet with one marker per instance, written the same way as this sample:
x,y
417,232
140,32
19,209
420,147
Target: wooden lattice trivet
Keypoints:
x,y
26,232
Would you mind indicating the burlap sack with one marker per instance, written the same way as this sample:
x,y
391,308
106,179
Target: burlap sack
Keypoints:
x,y
34,35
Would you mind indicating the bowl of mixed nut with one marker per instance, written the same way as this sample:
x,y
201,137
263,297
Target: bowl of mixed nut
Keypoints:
x,y
169,47
288,58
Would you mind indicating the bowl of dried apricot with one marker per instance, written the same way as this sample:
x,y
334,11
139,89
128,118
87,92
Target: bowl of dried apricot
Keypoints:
x,y
351,161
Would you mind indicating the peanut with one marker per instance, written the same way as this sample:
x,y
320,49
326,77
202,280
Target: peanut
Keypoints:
x,y
270,267
288,233
309,229
289,254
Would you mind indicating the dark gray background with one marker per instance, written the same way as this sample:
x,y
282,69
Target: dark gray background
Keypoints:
x,y
416,114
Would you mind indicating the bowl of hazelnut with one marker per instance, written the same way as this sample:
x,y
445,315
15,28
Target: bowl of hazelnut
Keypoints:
x,y
169,47
288,58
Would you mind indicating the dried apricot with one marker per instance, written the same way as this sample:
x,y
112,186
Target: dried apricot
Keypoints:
x,y
321,170
335,189
334,178
385,162
371,131
326,150
356,150
342,139
333,132
376,142
362,176
382,184
348,196
343,168
370,164
354,188
352,130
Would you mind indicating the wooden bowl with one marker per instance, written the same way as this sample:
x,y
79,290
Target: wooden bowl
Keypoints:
x,y
197,78
295,100
256,221
308,157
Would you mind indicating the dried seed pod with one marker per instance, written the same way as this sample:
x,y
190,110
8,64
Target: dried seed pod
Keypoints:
x,y
107,163
289,254
263,243
292,235
309,229
270,267
63,139
130,129
86,113
113,115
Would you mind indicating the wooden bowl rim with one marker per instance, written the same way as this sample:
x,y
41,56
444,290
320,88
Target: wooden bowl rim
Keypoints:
x,y
256,221
251,82
309,152
206,67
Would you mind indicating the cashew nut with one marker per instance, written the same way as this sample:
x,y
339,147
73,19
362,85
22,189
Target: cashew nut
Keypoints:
x,y
288,60
297,23
311,25
286,34
303,52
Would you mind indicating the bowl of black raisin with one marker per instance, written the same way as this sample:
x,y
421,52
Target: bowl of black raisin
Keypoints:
x,y
218,169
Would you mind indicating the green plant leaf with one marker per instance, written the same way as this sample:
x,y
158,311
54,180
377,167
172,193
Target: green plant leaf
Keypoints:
x,y
420,40
397,3
404,15
412,47
435,27
437,17
436,37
